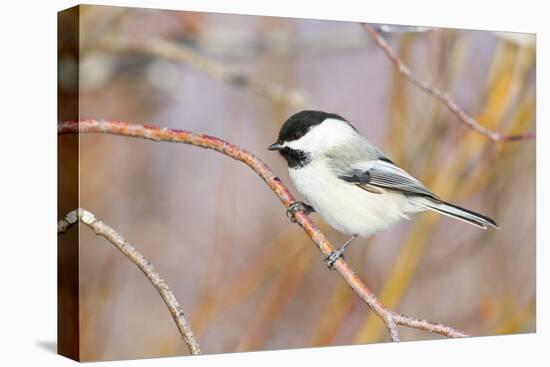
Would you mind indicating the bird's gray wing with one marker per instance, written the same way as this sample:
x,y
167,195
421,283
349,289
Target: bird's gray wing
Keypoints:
x,y
382,173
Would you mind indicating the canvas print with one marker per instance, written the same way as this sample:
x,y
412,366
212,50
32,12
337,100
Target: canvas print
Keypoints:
x,y
233,183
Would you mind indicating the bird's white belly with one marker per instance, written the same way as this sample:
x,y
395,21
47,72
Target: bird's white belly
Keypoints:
x,y
345,206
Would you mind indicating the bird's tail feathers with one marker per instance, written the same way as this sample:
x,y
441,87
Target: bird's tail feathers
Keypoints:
x,y
457,212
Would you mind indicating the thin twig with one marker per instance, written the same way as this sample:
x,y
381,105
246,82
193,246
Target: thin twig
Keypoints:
x,y
433,327
176,52
142,263
399,29
442,96
390,318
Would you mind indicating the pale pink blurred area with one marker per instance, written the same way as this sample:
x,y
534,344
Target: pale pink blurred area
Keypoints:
x,y
249,279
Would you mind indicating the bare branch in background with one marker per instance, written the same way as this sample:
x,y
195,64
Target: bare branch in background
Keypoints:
x,y
172,51
390,318
443,97
399,29
141,262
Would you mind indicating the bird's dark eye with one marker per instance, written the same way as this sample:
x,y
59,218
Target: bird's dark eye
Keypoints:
x,y
297,135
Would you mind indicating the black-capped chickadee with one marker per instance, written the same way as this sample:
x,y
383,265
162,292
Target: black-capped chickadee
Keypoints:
x,y
350,183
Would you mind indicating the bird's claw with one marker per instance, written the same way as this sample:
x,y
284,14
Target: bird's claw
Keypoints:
x,y
331,258
296,207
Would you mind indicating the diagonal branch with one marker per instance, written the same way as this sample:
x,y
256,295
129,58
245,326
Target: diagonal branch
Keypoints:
x,y
141,262
390,318
175,52
441,96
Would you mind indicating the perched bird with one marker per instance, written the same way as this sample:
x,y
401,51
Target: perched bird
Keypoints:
x,y
350,183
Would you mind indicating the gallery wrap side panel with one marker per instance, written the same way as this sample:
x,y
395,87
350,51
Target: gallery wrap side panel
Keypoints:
x,y
68,45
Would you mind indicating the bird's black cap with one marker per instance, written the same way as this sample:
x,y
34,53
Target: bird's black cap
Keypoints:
x,y
299,124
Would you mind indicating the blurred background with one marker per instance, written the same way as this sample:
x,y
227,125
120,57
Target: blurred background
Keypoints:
x,y
246,277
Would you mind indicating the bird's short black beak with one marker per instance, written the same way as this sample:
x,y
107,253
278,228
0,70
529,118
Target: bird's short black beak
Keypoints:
x,y
275,146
